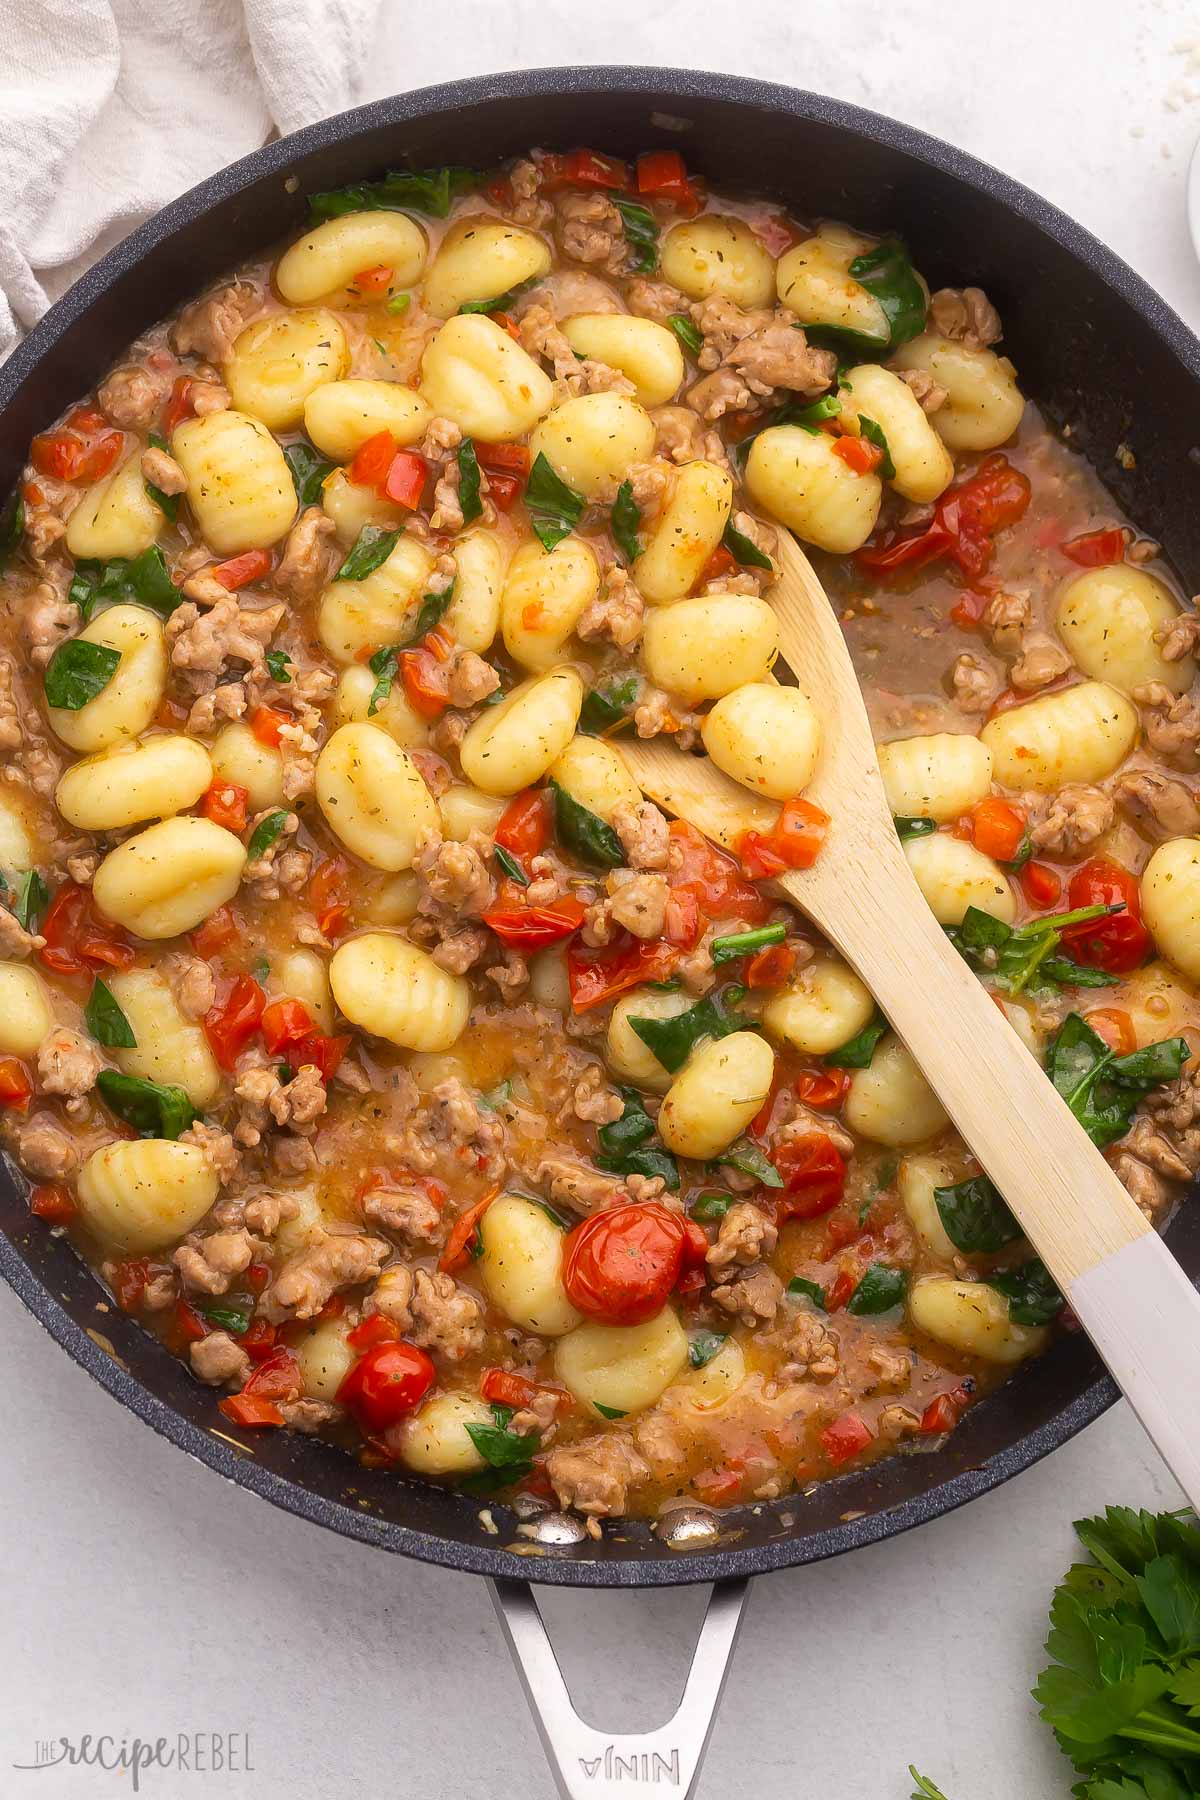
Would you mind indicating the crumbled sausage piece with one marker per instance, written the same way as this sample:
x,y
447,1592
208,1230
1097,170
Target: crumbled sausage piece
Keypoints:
x,y
42,1147
1147,1189
644,833
616,613
208,327
721,392
469,678
49,619
308,1415
656,300
975,687
1172,722
303,569
528,208
68,1064
219,1148
930,396
310,1277
1041,661
447,1319
892,1368
778,355
1006,619
1163,807
132,397
1077,815
218,1360
162,471
265,1099
752,1295
454,879
209,1264
966,314
196,988
638,902
1179,636
15,941
810,1351
746,1236
594,1477
577,1185
409,1211
590,230
266,1214
594,1101
10,717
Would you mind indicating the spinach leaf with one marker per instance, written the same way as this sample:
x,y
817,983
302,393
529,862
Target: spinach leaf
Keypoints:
x,y
230,1318
888,274
641,233
1022,958
509,1452
78,671
12,524
745,943
265,833
711,1205
501,302
703,1346
673,1040
584,833
1032,1296
31,900
152,1109
744,550
805,1289
856,1052
880,1289
429,191
308,471
386,662
511,866
874,434
600,712
974,1216
626,518
1103,1089
748,1159
167,504
468,481
914,828
105,1019
143,578
625,1147
278,663
808,417
553,508
687,333
372,546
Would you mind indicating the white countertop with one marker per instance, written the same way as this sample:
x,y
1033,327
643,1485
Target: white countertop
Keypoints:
x,y
142,1595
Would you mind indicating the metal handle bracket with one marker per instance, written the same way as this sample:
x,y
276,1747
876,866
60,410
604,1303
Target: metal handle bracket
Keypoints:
x,y
600,1765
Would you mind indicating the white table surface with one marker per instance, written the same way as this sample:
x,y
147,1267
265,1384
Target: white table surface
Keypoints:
x,y
142,1595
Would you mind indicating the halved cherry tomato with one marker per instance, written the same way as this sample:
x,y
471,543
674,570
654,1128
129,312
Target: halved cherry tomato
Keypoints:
x,y
500,1387
663,174
248,1409
504,491
374,280
241,570
189,1325
682,923
276,1378
814,1176
822,1089
267,724
533,927
770,967
78,938
620,1265
599,975
372,460
84,448
179,406
1115,1027
858,454
699,868
16,1086
461,1241
1096,549
376,1328
722,562
524,827
997,828
504,459
128,1282
386,1384
964,522
405,479
968,610
329,892
846,1437
218,930
794,842
1040,884
1119,942
285,1022
232,1022
53,1202
943,1412
424,682
322,1053
583,168
225,804
258,1340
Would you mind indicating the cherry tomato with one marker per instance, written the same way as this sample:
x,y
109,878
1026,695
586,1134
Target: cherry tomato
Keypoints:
x,y
524,827
964,522
376,1328
1040,884
78,938
322,1053
218,930
84,448
128,1282
285,1022
770,967
276,1378
968,610
599,975
232,1022
372,460
16,1088
997,828
846,1437
189,1325
533,927
794,842
722,562
1115,1027
225,804
713,877
424,682
822,1089
386,1383
463,1239
329,892
620,1265
1096,549
858,454
504,459
405,480
53,1202
814,1176
179,406
1119,942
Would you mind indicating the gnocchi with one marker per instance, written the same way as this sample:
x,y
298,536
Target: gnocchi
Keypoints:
x,y
702,649
799,478
973,1319
687,531
718,257
473,372
127,704
545,593
278,362
1108,620
151,780
521,1266
116,517
716,1094
170,877
953,875
389,988
983,404
143,1195
1170,894
239,487
765,736
169,1048
481,259
624,1368
938,777
890,1102
374,797
593,440
1077,734
646,353
822,1008
512,745
333,253
356,618
339,416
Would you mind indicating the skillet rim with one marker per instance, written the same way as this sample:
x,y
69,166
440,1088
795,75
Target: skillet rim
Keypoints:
x,y
658,1566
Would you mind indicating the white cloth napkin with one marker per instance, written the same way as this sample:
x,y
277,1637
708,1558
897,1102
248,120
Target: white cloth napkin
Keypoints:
x,y
110,108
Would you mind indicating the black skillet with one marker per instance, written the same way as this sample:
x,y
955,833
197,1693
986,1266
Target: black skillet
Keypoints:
x,y
1098,350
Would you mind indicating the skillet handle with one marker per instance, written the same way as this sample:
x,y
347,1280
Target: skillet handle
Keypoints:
x,y
598,1765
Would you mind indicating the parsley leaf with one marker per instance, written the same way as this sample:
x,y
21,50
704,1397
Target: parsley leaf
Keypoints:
x,y
744,550
974,1216
152,1109
308,471
554,508
78,671
105,1019
601,711
641,233
672,1040
880,1289
468,481
856,1052
687,333
625,1146
372,546
584,833
626,518
278,663
429,191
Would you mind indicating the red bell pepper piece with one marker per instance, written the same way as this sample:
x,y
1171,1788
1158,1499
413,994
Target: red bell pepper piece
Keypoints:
x,y
858,454
375,280
53,1202
663,175
372,460
997,828
285,1022
1040,884
405,480
457,1253
248,1409
583,168
524,827
241,570
846,1438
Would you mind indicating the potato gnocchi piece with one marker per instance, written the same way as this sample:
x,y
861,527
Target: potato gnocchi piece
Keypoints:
x,y
481,259
474,373
390,902
170,877
624,1368
549,982
131,782
937,777
277,362
142,1196
356,618
303,975
593,440
374,797
339,416
798,477
688,530
593,773
705,1389
645,352
1170,894
813,280
127,704
511,746
521,1266
972,1318
984,405
1107,619
1077,734
917,1178
823,1007
16,846
627,1056
241,758
953,875
472,618
890,1102
328,258
718,256
325,1359
766,737
702,649
389,988
716,1094
25,1015
545,592
466,809
115,517
394,714
170,1049
240,489
924,466
352,506
435,1441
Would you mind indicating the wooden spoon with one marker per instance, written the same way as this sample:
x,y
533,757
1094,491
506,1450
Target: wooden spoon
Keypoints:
x,y
1121,1281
